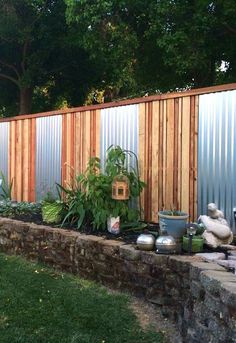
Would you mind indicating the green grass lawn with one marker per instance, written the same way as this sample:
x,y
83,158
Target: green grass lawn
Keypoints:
x,y
38,304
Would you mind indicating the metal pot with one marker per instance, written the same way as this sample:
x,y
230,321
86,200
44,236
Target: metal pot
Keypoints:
x,y
165,244
146,241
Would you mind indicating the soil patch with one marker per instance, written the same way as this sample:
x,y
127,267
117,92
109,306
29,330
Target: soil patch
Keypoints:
x,y
128,236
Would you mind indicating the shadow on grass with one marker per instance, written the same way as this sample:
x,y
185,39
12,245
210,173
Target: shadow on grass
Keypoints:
x,y
38,304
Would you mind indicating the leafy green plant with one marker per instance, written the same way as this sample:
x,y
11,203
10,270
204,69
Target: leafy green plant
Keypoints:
x,y
52,208
74,204
6,188
12,209
90,197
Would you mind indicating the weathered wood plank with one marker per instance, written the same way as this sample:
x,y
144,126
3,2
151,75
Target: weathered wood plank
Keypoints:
x,y
185,193
155,159
32,160
170,154
26,159
141,155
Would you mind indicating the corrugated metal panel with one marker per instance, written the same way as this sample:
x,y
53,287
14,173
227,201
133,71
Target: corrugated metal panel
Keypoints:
x,y
119,126
48,154
217,153
4,139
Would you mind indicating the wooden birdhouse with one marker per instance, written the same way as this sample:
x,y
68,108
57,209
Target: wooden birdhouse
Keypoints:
x,y
120,188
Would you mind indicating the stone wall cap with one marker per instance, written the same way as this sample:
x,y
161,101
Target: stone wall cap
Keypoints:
x,y
185,259
230,286
204,265
217,276
129,252
91,238
111,242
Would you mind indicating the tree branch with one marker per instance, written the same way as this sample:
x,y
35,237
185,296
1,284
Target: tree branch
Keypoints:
x,y
10,66
12,79
25,47
230,28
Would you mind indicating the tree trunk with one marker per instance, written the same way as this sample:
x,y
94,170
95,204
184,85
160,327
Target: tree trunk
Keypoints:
x,y
25,100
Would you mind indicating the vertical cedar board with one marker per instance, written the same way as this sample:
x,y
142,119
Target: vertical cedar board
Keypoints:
x,y
155,158
196,156
26,159
12,157
185,154
160,159
97,132
170,154
164,205
141,153
19,160
180,117
175,154
32,160
77,143
191,157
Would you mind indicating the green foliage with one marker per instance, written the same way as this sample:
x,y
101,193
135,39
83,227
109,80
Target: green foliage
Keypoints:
x,y
12,209
52,212
158,45
121,48
173,212
39,304
74,204
31,35
5,187
89,200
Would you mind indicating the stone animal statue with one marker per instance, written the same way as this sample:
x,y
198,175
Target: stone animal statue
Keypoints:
x,y
217,231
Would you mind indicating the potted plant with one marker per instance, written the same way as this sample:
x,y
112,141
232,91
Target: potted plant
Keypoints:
x,y
174,222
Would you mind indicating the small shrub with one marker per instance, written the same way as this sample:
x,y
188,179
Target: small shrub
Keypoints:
x,y
12,209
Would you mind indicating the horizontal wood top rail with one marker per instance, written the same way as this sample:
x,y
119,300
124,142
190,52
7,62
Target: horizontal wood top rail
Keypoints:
x,y
192,92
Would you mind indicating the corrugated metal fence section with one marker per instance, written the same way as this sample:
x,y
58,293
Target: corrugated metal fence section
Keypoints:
x,y
119,126
4,136
48,154
217,152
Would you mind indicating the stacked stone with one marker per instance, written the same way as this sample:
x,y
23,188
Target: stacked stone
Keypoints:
x,y
199,296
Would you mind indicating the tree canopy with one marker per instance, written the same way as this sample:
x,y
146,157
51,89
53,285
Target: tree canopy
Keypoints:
x,y
55,52
38,58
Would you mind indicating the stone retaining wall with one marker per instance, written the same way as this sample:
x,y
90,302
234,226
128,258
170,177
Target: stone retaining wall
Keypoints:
x,y
199,296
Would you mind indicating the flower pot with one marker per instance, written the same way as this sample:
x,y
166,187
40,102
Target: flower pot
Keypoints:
x,y
175,225
197,243
113,225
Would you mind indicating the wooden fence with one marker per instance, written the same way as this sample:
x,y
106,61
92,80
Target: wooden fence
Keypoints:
x,y
167,140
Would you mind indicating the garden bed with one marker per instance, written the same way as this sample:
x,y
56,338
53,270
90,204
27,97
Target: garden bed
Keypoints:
x,y
127,236
199,296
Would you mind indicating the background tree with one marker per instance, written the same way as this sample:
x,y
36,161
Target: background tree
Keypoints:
x,y
158,45
56,53
38,59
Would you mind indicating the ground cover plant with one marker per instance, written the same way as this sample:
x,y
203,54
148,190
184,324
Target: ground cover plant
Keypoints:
x,y
38,304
